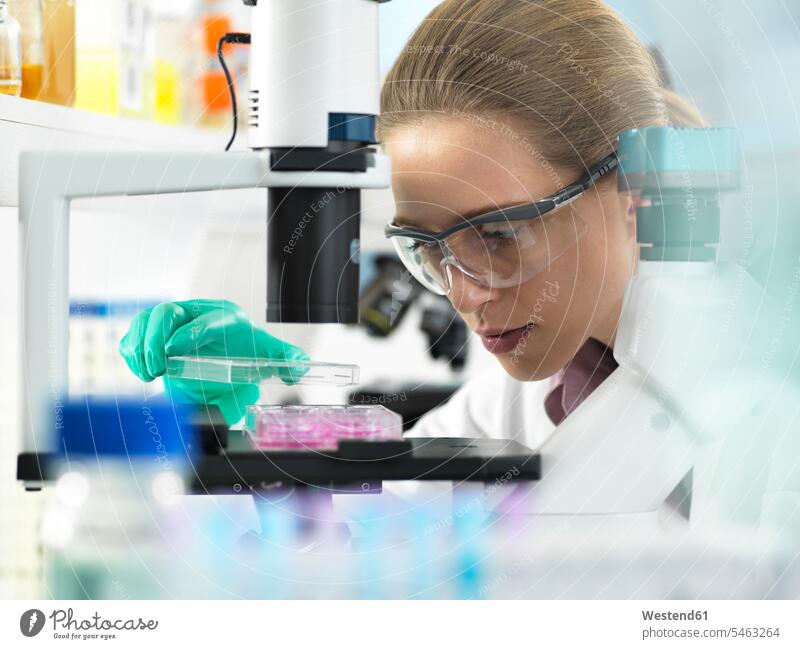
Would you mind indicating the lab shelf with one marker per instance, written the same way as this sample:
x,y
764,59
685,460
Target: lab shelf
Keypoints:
x,y
35,125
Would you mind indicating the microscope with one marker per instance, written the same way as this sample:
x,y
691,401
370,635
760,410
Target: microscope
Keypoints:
x,y
312,109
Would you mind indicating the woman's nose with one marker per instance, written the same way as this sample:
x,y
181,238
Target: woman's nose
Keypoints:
x,y
466,294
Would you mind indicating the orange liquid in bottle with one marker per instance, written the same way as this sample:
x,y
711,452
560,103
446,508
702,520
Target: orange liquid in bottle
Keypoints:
x,y
31,81
10,84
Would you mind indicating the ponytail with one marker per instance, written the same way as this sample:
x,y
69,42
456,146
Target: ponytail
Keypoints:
x,y
680,112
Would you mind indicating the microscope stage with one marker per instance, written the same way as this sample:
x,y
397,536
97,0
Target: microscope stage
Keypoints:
x,y
360,465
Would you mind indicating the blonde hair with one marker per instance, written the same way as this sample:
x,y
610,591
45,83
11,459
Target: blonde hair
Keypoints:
x,y
569,74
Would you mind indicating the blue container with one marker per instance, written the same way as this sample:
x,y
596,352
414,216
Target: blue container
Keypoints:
x,y
139,429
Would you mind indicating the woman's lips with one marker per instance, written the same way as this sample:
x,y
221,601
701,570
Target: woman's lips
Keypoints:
x,y
506,341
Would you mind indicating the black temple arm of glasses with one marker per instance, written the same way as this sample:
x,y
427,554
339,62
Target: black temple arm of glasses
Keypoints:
x,y
571,192
603,168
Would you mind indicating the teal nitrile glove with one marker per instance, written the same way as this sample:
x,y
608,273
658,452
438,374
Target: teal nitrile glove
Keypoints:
x,y
201,328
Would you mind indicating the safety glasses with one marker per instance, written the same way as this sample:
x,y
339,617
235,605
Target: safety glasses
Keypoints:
x,y
499,249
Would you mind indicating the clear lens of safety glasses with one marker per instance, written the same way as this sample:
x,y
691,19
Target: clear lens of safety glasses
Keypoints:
x,y
495,255
423,259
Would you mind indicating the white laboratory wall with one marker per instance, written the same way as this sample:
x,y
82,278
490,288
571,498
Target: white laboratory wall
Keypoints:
x,y
735,59
399,19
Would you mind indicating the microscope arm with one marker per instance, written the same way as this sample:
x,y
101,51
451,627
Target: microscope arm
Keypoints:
x,y
50,180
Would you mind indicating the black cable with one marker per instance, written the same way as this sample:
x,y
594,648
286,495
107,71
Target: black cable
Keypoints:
x,y
233,37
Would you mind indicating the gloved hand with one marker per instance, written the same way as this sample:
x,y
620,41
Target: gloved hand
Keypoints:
x,y
204,328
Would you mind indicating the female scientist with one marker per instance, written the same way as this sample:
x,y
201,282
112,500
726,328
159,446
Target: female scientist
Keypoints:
x,y
501,118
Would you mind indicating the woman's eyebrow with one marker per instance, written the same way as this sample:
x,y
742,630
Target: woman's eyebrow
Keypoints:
x,y
406,222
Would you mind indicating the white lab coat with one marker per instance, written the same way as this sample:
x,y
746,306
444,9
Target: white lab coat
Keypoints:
x,y
493,405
